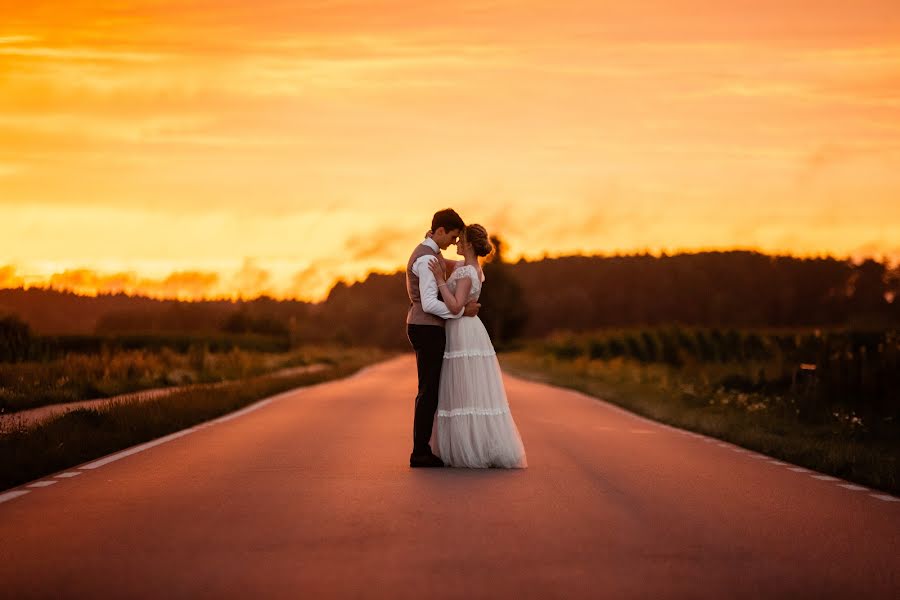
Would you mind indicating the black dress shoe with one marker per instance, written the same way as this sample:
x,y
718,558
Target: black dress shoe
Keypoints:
x,y
425,460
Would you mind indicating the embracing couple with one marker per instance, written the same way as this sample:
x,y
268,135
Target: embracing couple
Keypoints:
x,y
462,416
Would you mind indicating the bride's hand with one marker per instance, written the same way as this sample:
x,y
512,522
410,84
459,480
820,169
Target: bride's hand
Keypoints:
x,y
435,267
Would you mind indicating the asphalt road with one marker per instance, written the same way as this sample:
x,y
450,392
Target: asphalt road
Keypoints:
x,y
309,495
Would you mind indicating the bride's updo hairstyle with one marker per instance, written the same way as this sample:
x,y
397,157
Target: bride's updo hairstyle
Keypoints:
x,y
478,237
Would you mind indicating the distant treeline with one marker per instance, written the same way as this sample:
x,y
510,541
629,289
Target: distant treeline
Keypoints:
x,y
525,299
19,344
717,289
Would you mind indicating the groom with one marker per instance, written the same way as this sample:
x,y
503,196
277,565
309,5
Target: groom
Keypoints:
x,y
425,329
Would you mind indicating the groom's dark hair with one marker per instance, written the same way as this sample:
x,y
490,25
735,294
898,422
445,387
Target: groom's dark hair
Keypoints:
x,y
448,219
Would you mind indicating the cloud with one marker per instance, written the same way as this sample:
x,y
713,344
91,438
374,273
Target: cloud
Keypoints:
x,y
378,242
183,285
315,280
9,278
323,134
879,250
90,282
81,54
251,280
8,169
86,281
248,281
832,154
16,39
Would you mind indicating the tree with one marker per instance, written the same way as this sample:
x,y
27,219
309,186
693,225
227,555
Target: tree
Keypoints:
x,y
503,305
15,339
868,292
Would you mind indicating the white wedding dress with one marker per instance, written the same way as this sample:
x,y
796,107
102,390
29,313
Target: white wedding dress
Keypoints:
x,y
473,426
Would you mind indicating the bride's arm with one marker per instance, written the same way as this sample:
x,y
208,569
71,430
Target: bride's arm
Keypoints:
x,y
454,302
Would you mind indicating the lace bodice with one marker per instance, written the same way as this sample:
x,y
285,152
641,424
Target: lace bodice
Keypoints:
x,y
465,271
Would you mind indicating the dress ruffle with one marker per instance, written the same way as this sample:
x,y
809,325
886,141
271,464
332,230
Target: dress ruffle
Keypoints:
x,y
474,427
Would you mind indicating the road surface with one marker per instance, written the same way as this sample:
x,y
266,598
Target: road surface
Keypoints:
x,y
309,495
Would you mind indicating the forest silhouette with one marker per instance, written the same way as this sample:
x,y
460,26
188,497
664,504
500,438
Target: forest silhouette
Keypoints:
x,y
740,289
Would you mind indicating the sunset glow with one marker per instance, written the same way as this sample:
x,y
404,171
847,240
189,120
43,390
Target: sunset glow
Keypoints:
x,y
201,149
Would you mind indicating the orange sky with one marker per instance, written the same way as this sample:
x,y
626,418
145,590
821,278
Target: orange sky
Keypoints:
x,y
222,147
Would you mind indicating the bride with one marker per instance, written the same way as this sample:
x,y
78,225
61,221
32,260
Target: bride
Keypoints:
x,y
473,426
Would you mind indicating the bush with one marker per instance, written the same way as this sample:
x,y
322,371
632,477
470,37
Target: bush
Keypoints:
x,y
819,375
15,339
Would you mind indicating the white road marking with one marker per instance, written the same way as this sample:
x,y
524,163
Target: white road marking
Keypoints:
x,y
885,497
609,405
136,449
851,486
68,474
11,495
40,484
605,404
178,434
243,411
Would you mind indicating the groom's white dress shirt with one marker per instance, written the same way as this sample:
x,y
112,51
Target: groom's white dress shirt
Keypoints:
x,y
428,290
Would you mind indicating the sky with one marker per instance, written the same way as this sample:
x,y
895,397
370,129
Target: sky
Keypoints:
x,y
222,147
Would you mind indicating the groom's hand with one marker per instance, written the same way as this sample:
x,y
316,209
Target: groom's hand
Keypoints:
x,y
472,309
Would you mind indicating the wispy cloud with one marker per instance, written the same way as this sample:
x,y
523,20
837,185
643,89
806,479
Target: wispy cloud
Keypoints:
x,y
7,169
9,278
251,279
16,39
81,54
318,137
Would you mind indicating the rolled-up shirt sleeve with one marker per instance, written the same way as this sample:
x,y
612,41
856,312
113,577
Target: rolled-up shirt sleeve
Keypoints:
x,y
428,291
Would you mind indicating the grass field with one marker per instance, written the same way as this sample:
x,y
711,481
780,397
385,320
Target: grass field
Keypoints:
x,y
836,413
115,370
27,453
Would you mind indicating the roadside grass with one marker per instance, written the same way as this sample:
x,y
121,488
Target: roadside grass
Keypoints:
x,y
78,376
690,399
80,435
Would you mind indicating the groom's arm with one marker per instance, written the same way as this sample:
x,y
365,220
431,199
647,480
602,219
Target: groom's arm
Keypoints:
x,y
428,291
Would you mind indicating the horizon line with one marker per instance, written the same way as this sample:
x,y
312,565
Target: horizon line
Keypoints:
x,y
45,286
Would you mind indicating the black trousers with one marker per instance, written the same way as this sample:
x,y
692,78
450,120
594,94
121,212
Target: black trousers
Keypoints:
x,y
428,341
